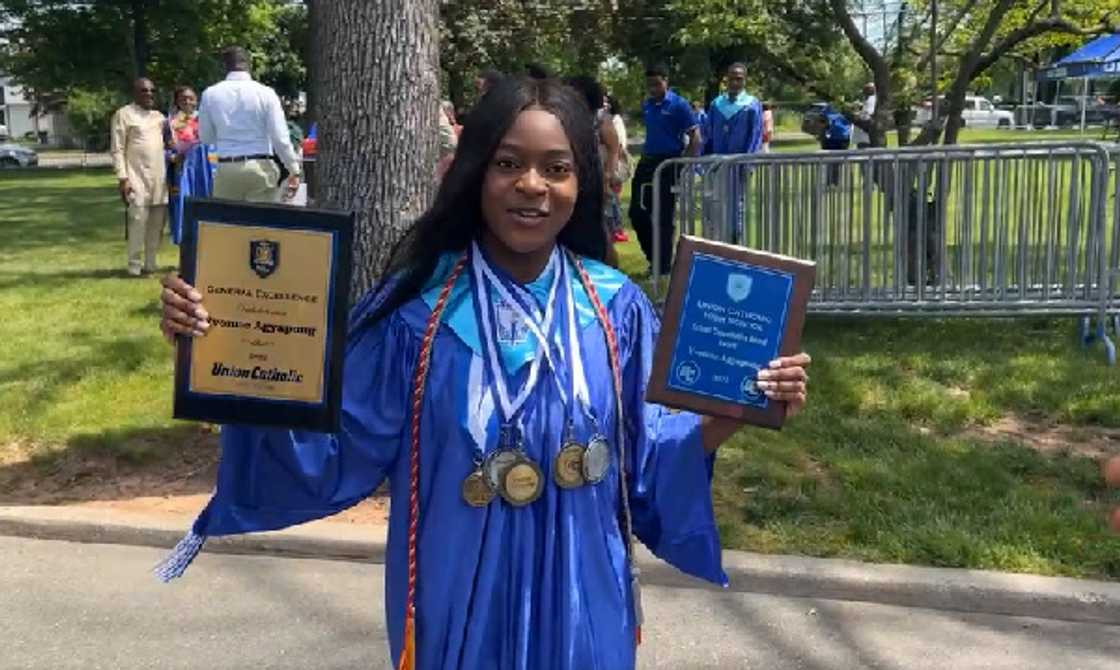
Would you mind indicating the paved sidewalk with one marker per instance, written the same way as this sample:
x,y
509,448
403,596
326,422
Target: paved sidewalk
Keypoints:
x,y
900,585
95,607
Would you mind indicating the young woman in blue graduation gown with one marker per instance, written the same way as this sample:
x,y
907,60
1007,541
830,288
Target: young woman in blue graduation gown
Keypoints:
x,y
544,585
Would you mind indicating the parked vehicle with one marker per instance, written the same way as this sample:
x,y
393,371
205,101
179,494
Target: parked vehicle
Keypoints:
x,y
3,132
14,155
978,112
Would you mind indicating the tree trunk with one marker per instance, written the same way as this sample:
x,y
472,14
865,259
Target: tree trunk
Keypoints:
x,y
140,38
376,76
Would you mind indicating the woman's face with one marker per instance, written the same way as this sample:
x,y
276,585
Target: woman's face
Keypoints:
x,y
187,101
531,185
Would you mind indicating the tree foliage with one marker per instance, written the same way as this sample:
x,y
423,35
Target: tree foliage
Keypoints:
x,y
972,36
52,47
566,37
791,49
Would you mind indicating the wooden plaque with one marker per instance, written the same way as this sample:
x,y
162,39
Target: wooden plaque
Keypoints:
x,y
729,312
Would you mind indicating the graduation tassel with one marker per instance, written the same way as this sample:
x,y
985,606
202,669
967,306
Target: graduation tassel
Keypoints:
x,y
408,651
180,557
407,659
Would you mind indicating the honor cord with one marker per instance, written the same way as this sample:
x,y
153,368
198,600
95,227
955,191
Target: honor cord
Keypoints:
x,y
419,381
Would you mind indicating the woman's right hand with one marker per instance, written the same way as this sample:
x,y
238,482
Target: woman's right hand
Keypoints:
x,y
183,313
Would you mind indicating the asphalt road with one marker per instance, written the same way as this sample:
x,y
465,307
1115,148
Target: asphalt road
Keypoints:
x,y
89,606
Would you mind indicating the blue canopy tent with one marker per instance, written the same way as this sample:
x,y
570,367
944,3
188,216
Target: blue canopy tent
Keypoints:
x,y
1097,59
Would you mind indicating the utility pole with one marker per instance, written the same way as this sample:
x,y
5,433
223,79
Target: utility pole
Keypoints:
x,y
933,59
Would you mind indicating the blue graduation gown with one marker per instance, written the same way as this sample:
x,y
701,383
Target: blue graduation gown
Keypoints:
x,y
195,178
739,132
544,587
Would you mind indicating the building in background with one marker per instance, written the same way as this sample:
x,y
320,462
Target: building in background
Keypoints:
x,y
19,121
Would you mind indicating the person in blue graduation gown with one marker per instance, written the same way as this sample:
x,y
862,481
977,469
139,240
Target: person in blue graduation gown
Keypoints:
x,y
189,168
546,585
734,126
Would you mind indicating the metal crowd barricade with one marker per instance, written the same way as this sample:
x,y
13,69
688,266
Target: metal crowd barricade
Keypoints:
x,y
997,230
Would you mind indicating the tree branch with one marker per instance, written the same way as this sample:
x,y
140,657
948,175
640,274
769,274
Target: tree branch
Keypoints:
x,y
865,49
923,62
1050,24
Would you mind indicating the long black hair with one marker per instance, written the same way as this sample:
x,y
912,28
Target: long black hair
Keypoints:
x,y
455,218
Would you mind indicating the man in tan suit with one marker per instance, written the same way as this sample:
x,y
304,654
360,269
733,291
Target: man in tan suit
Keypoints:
x,y
136,143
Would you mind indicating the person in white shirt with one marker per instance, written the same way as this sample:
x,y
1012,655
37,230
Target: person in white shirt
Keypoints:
x,y
245,122
136,145
859,134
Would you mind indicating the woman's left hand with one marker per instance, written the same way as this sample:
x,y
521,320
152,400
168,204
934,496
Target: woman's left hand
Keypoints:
x,y
786,381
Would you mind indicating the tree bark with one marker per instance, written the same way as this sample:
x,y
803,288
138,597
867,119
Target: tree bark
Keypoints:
x,y
140,38
376,76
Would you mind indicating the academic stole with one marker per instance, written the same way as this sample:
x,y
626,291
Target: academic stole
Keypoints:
x,y
419,382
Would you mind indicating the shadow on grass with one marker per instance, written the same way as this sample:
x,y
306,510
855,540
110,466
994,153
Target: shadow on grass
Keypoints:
x,y
115,465
52,376
58,209
61,279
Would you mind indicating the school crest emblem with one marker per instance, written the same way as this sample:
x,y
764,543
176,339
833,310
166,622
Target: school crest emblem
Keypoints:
x,y
738,287
264,257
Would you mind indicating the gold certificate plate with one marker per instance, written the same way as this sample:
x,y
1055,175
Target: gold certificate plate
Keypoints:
x,y
272,281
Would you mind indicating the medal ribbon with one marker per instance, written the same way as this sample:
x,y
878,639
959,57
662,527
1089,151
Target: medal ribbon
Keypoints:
x,y
482,273
581,395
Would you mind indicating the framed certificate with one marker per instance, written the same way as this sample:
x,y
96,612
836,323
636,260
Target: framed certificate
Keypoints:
x,y
729,312
275,281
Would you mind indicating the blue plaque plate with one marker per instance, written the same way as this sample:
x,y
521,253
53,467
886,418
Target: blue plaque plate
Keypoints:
x,y
729,312
731,326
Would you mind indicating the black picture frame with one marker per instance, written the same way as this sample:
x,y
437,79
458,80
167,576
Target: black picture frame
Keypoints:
x,y
323,416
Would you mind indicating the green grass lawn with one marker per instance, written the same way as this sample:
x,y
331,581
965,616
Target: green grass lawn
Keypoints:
x,y
892,461
81,360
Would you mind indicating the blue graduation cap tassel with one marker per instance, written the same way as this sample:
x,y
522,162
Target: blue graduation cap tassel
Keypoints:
x,y
180,557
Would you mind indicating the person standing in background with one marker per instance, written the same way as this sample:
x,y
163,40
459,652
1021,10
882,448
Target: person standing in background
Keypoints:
x,y
136,145
609,152
190,172
618,234
701,117
734,126
734,119
862,122
767,126
668,118
448,138
245,122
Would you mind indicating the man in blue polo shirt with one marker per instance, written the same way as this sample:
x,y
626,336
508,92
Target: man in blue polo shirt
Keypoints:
x,y
668,118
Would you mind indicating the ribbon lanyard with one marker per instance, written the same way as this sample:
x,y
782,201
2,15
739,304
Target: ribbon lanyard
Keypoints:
x,y
581,395
482,273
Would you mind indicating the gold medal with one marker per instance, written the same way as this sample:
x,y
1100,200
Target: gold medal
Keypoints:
x,y
476,490
567,468
522,483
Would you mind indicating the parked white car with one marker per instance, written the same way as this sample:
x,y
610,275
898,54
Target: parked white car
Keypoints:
x,y
978,113
3,132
